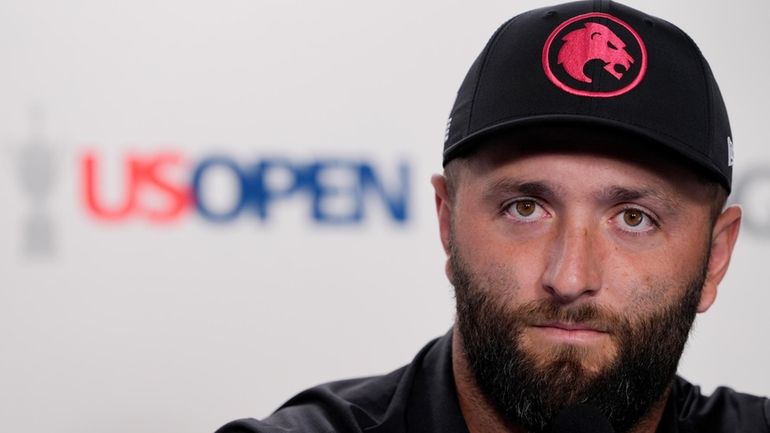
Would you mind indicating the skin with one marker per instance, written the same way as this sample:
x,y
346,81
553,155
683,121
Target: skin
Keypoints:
x,y
542,220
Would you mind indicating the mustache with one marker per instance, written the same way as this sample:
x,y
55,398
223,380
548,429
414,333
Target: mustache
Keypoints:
x,y
590,315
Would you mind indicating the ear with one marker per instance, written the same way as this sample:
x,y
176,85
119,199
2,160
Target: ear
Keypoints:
x,y
444,213
723,238
443,209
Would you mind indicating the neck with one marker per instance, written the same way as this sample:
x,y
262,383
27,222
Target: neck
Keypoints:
x,y
481,416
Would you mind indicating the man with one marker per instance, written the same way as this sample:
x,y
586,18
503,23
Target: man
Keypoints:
x,y
587,160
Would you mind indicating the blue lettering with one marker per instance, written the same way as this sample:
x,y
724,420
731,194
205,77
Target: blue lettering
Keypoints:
x,y
262,192
396,200
338,190
197,181
325,194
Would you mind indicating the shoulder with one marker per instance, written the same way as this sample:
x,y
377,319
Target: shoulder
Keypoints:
x,y
347,406
726,410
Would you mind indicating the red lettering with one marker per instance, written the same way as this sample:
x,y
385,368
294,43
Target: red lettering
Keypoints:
x,y
91,193
178,197
148,191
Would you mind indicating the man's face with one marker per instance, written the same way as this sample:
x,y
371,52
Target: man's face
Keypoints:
x,y
577,276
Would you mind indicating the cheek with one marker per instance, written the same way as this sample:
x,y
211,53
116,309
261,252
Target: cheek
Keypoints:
x,y
642,285
510,272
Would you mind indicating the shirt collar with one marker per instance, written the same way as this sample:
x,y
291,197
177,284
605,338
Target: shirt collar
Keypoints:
x,y
433,405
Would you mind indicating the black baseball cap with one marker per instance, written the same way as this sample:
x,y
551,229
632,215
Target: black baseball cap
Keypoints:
x,y
597,64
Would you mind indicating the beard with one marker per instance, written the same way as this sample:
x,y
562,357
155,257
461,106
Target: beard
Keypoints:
x,y
530,393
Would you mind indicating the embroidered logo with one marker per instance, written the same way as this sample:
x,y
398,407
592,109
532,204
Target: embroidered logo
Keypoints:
x,y
595,55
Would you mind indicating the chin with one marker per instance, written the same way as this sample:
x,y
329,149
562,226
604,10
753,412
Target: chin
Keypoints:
x,y
590,360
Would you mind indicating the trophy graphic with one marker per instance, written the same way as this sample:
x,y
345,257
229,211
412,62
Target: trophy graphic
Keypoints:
x,y
36,171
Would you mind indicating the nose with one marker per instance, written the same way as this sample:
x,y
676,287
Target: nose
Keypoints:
x,y
573,265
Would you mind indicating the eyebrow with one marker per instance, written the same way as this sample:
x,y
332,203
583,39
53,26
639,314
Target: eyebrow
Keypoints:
x,y
616,194
612,194
508,186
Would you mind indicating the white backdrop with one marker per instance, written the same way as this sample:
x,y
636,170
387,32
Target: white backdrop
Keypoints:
x,y
179,326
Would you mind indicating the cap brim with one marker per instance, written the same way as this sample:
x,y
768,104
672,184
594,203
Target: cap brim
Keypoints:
x,y
703,162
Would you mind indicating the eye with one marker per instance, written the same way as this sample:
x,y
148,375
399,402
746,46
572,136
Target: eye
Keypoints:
x,y
633,217
635,220
525,209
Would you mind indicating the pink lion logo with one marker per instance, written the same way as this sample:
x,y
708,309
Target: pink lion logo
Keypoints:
x,y
594,41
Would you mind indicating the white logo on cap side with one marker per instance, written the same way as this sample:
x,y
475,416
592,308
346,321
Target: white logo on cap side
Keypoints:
x,y
730,152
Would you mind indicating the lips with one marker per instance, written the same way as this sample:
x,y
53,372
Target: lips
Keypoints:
x,y
567,326
571,332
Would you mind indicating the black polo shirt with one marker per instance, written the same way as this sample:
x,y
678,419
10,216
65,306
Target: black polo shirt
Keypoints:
x,y
421,398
